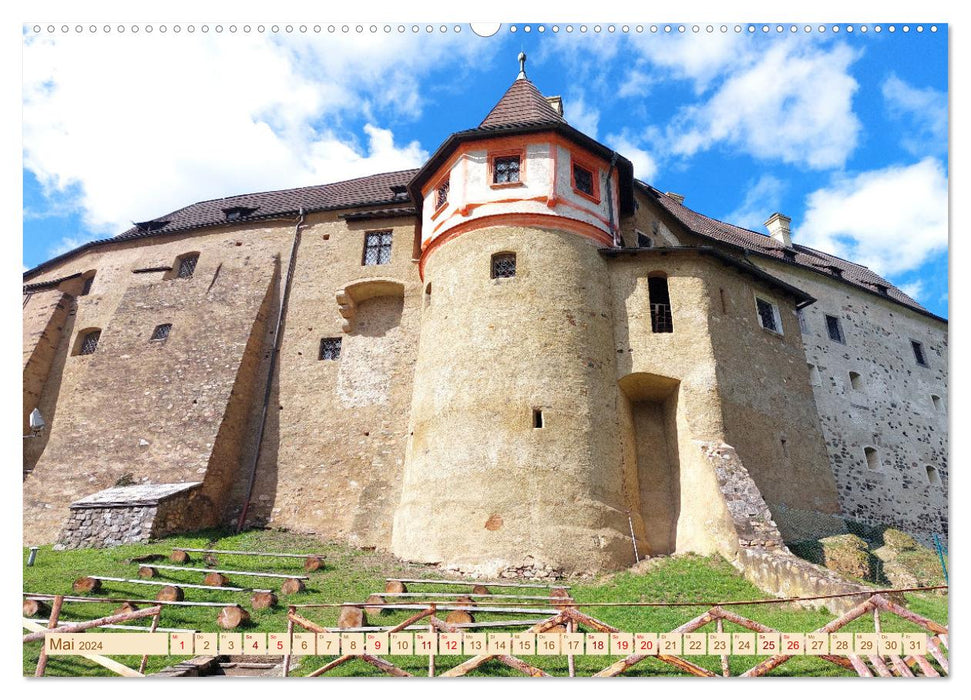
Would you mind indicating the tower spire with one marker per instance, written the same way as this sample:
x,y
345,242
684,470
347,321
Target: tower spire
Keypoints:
x,y
522,65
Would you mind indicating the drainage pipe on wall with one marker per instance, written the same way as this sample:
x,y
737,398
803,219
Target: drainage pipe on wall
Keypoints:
x,y
274,353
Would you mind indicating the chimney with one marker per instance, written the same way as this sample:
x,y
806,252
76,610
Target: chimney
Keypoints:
x,y
679,198
556,103
778,225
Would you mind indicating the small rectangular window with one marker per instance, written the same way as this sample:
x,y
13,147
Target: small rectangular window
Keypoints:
x,y
161,331
582,179
803,323
768,315
505,170
872,460
330,349
441,195
86,289
90,343
919,353
814,377
187,266
835,329
503,265
659,298
377,248
537,418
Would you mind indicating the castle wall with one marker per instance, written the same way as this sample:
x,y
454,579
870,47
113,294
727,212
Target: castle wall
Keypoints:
x,y
483,488
45,316
892,412
335,437
142,411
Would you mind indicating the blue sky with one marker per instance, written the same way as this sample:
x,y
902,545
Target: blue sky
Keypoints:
x,y
845,132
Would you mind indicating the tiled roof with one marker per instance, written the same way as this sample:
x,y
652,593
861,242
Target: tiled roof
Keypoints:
x,y
824,263
522,104
372,190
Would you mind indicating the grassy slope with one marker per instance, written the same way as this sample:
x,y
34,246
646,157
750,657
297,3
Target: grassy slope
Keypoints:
x,y
350,575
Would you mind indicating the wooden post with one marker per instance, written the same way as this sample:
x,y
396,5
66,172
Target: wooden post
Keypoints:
x,y
876,620
286,657
570,664
51,624
726,671
431,656
155,621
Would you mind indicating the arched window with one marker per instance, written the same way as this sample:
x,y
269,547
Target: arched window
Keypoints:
x,y
657,287
185,265
87,341
856,381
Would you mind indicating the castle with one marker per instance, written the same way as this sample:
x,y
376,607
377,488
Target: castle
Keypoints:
x,y
517,355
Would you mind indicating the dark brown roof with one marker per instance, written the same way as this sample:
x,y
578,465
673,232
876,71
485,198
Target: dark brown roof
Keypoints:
x,y
802,256
373,190
522,104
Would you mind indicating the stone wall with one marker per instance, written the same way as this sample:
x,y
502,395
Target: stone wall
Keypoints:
x,y
146,411
130,514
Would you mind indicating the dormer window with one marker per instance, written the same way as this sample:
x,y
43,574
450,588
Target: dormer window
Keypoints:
x,y
150,226
441,194
237,213
187,265
506,169
398,191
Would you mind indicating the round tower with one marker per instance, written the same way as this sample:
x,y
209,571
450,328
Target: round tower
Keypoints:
x,y
516,458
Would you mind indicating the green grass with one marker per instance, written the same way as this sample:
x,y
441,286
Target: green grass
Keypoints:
x,y
350,575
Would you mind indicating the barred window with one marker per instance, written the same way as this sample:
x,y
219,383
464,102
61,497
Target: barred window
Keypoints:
x,y
187,265
660,300
768,315
330,349
582,179
90,342
377,248
835,329
441,195
503,265
505,169
161,331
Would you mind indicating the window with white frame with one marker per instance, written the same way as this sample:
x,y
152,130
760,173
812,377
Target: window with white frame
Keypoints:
x,y
769,317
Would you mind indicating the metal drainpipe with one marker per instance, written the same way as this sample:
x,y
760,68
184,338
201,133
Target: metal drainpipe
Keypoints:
x,y
269,375
610,201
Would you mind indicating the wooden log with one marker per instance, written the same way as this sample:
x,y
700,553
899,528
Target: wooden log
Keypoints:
x,y
720,628
291,586
861,668
170,593
375,605
935,651
906,614
250,554
900,667
286,657
109,664
143,582
146,558
329,665
925,666
466,666
147,572
385,666
214,578
458,617
304,622
153,628
180,556
35,608
558,597
263,600
395,587
87,584
231,617
443,582
79,599
313,564
880,666
126,607
522,666
101,621
51,624
479,589
351,617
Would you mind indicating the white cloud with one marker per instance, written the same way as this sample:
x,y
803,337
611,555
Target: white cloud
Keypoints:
x,y
131,127
794,104
761,199
581,115
915,289
645,167
699,58
924,109
891,220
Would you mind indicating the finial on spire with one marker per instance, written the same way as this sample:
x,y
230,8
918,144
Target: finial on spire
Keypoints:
x,y
522,65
